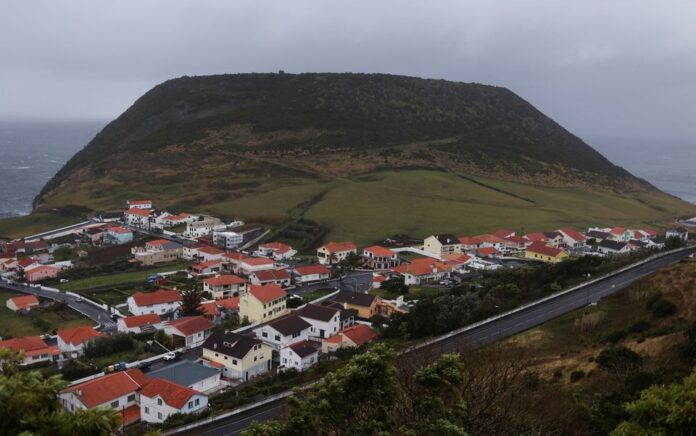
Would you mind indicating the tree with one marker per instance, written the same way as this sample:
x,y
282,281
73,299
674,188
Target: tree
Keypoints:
x,y
661,410
674,242
619,360
29,405
395,285
191,303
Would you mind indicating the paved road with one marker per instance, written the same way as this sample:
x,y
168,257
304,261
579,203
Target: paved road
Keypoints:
x,y
490,332
356,281
89,310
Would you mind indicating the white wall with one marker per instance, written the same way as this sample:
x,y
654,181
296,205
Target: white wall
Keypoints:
x,y
284,341
151,411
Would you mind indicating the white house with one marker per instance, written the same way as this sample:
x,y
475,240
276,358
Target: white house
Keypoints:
x,y
609,247
276,250
325,321
283,332
299,356
189,331
118,390
207,253
227,239
139,323
118,235
137,217
161,302
160,398
311,273
334,252
202,226
194,375
72,340
224,286
572,238
280,277
248,265
139,204
680,232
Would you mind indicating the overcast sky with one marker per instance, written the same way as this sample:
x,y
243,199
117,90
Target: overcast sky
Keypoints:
x,y
610,68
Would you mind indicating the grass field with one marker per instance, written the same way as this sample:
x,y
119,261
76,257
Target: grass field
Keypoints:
x,y
30,224
12,324
368,208
112,297
116,278
422,202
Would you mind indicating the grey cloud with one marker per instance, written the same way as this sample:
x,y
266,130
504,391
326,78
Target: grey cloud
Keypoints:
x,y
621,68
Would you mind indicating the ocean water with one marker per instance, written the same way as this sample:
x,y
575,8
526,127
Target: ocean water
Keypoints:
x,y
668,165
31,153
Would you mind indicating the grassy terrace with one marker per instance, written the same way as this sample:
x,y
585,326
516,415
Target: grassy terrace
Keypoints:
x,y
17,227
12,324
116,278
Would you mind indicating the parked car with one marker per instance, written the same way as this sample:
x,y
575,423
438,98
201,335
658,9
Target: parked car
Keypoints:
x,y
170,356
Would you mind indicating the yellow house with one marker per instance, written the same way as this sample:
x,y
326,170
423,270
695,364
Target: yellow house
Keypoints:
x,y
364,304
263,303
440,245
545,253
239,357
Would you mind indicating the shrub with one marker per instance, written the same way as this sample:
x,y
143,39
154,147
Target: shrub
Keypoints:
x,y
618,360
576,375
639,326
616,336
662,307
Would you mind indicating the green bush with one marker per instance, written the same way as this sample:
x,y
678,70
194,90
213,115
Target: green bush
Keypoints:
x,y
639,326
662,308
616,336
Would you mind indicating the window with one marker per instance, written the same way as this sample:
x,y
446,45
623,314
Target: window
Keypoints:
x,y
131,398
147,410
159,415
234,361
254,358
114,404
264,334
277,337
198,401
159,401
190,404
285,360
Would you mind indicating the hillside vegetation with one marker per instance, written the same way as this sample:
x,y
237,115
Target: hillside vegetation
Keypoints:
x,y
333,146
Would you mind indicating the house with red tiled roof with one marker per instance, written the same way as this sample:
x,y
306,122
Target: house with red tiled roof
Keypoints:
x,y
207,253
488,240
334,252
139,323
229,304
40,272
224,286
470,243
22,302
280,277
118,235
211,310
310,273
276,250
72,340
207,267
160,302
504,233
189,331
34,348
423,270
457,261
118,390
515,244
350,337
160,399
250,265
442,244
263,303
539,250
572,238
137,217
139,204
488,252
380,258
621,234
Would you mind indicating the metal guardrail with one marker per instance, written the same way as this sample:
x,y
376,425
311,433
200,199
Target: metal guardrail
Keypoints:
x,y
439,338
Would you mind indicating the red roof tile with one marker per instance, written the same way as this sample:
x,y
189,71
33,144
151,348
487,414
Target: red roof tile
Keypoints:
x,y
470,240
107,388
231,303
25,301
277,247
141,320
338,247
491,239
174,394
312,269
224,280
379,251
270,275
210,250
359,334
541,248
267,293
503,233
160,296
487,251
79,334
210,308
257,261
30,346
189,325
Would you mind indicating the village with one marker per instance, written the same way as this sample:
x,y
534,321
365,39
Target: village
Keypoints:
x,y
222,306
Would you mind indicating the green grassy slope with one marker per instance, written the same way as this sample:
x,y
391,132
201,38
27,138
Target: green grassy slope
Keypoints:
x,y
423,202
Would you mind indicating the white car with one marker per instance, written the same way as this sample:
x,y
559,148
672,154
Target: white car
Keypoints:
x,y
170,356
